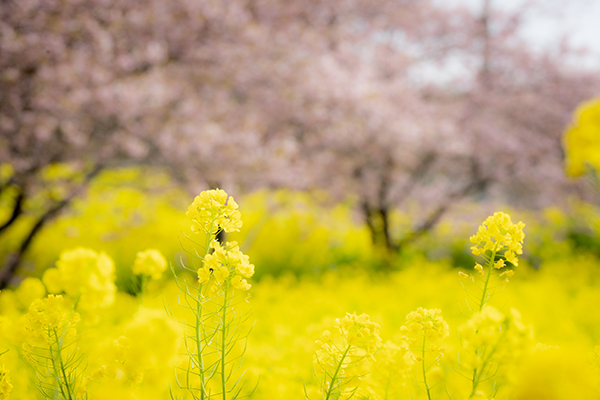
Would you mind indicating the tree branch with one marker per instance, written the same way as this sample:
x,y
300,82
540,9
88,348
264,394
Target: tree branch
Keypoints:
x,y
16,212
435,216
13,260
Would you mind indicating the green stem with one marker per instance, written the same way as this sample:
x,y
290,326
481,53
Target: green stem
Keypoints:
x,y
199,326
223,336
486,360
424,370
337,371
389,383
199,331
64,383
475,383
143,284
487,281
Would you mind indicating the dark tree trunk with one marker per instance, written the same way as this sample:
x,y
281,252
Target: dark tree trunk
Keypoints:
x,y
16,212
13,260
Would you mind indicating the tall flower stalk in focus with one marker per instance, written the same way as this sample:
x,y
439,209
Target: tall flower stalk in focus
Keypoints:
x,y
221,272
498,241
490,338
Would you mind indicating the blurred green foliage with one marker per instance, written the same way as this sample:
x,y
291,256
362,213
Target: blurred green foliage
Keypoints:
x,y
130,210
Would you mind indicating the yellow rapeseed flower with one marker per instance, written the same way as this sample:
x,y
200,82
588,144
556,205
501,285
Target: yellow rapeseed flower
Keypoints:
x,y
49,317
360,331
150,262
499,234
428,323
213,210
226,261
85,275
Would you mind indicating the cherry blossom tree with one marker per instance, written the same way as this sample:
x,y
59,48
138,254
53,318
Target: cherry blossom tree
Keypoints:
x,y
252,93
491,131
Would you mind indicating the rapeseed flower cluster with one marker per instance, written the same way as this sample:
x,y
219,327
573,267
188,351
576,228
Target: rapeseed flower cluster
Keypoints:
x,y
497,240
49,320
85,275
226,262
150,263
426,323
582,139
361,332
499,234
212,211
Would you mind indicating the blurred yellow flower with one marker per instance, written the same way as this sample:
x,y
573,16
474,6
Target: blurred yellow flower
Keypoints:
x,y
48,319
84,275
428,323
360,331
503,336
582,139
344,360
29,290
150,262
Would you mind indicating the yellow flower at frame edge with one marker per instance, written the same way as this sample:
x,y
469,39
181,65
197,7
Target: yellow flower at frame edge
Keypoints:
x,y
582,139
498,233
212,209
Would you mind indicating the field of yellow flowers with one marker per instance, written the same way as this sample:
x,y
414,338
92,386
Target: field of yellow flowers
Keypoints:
x,y
203,326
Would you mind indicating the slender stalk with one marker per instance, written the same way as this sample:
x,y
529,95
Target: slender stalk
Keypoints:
x,y
424,370
475,383
490,266
389,383
60,371
487,359
198,341
487,280
223,336
199,326
337,371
